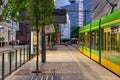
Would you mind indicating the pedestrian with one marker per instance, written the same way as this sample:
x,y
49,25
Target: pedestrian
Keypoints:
x,y
77,42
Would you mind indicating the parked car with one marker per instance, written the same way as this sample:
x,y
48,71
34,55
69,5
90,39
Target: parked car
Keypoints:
x,y
74,40
23,43
65,41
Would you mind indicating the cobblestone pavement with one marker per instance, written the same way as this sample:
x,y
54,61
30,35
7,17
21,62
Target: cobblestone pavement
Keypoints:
x,y
63,63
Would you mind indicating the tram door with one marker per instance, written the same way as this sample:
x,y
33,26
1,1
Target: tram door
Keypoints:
x,y
107,42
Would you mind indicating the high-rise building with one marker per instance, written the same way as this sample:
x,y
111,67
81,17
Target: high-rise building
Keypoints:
x,y
87,9
79,11
75,11
59,3
65,29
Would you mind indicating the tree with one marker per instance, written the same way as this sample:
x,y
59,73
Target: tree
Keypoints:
x,y
39,14
12,10
74,32
1,2
52,36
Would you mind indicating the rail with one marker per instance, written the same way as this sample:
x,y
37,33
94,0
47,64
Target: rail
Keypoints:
x,y
12,59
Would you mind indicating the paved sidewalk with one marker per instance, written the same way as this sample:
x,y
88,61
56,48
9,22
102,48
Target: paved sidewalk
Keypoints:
x,y
63,63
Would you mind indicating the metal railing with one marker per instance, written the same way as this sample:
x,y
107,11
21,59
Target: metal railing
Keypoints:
x,y
11,60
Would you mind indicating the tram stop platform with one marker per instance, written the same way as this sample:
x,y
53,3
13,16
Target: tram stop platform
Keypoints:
x,y
63,63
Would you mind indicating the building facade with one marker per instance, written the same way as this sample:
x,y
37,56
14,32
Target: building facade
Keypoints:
x,y
75,11
80,12
65,29
23,34
59,3
7,30
104,7
87,9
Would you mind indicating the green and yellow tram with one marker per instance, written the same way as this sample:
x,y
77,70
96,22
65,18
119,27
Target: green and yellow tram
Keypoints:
x,y
100,41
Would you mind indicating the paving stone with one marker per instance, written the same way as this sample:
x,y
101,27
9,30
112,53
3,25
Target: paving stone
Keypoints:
x,y
63,63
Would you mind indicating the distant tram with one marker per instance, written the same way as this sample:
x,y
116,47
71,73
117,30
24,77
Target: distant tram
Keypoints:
x,y
100,41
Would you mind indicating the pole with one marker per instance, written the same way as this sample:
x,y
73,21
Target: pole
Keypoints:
x,y
100,41
0,36
90,39
85,17
37,60
43,45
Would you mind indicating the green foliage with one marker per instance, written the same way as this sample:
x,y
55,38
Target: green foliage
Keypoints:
x,y
2,39
74,32
55,34
13,8
40,10
1,2
0,18
36,9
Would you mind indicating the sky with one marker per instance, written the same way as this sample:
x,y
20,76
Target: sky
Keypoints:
x,y
60,3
